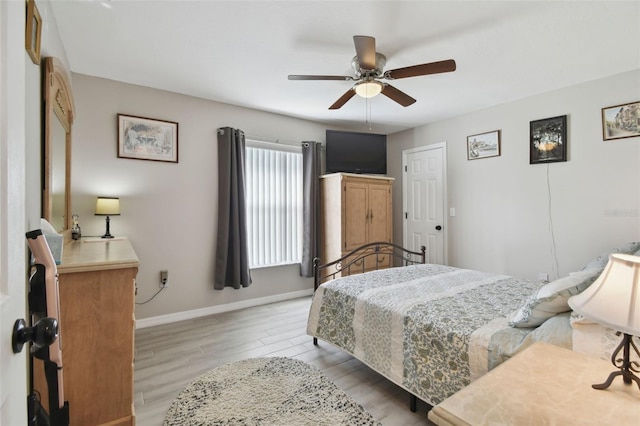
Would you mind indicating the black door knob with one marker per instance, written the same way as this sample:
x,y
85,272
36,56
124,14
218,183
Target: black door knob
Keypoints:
x,y
438,228
44,333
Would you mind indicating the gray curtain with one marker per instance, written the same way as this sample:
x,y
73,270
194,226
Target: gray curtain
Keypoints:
x,y
232,254
311,170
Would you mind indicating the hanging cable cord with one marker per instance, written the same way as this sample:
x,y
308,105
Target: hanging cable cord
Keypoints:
x,y
554,253
151,298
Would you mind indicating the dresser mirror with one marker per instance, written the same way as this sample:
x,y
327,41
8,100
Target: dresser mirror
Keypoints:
x,y
59,113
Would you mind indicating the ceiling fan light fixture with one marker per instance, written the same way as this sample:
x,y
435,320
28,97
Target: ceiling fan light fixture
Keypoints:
x,y
368,69
369,89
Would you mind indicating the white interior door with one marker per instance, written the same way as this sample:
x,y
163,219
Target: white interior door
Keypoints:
x,y
424,200
13,367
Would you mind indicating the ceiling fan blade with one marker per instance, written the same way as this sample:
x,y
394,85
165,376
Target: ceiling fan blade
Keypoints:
x,y
424,69
397,95
343,99
320,77
366,51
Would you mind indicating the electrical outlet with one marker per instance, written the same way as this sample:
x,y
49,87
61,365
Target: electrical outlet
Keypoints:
x,y
543,277
164,279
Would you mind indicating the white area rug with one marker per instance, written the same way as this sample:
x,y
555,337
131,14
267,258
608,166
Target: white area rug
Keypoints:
x,y
265,391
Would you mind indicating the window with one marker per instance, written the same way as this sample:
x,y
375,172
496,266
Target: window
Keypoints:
x,y
274,203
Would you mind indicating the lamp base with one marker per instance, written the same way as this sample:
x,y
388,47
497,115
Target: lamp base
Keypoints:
x,y
626,366
107,234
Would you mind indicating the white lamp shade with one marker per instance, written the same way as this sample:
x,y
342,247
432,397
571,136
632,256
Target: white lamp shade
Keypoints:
x,y
614,298
369,89
108,206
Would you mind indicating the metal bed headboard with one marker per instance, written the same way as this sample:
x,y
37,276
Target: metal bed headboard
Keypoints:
x,y
355,261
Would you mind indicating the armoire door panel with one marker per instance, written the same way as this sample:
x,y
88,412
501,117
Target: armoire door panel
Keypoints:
x,y
355,215
379,215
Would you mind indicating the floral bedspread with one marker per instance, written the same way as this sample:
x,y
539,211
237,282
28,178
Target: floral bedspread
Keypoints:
x,y
414,324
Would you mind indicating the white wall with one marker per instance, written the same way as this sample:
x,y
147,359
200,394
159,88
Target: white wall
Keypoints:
x,y
169,211
502,203
502,221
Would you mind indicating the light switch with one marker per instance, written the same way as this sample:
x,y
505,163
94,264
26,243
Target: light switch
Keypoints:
x,y
452,211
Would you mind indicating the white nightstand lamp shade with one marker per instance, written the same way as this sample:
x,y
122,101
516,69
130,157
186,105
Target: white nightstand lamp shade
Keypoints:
x,y
614,300
107,206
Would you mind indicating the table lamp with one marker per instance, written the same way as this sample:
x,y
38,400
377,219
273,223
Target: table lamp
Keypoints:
x,y
613,300
108,206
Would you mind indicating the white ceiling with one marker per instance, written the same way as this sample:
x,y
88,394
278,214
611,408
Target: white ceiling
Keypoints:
x,y
240,52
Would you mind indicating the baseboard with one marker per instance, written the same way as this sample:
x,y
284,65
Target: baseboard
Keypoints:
x,y
203,312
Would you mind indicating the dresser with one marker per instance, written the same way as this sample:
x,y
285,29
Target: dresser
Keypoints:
x,y
97,290
355,210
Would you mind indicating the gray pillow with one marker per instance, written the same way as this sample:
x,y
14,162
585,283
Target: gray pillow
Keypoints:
x,y
601,261
551,299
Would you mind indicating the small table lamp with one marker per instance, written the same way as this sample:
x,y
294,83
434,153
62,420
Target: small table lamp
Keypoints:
x,y
614,300
108,206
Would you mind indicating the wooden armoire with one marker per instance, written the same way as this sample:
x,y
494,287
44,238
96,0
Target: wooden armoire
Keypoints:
x,y
355,210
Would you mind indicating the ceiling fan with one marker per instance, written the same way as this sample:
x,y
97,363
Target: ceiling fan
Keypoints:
x,y
368,65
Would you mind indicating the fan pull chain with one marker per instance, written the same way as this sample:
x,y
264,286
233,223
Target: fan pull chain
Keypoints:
x,y
367,112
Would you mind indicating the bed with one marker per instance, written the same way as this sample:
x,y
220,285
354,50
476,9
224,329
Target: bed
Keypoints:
x,y
432,329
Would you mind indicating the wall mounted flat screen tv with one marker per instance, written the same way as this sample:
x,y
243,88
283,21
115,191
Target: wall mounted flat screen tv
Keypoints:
x,y
353,152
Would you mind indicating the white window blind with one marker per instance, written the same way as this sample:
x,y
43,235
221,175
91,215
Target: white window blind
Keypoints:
x,y
274,204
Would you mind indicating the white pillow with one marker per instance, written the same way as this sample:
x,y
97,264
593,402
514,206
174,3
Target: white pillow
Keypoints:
x,y
551,299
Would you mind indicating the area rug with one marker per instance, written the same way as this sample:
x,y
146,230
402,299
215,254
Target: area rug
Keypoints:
x,y
265,391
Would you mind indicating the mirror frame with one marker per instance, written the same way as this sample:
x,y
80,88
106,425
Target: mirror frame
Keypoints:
x,y
59,105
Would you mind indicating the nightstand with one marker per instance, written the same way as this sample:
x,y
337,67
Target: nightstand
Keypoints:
x,y
544,384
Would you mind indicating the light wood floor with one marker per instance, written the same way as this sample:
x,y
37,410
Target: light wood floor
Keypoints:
x,y
168,357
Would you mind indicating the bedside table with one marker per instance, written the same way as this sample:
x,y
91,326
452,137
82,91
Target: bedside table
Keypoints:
x,y
544,384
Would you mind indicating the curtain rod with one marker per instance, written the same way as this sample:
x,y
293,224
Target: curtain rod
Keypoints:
x,y
270,140
279,141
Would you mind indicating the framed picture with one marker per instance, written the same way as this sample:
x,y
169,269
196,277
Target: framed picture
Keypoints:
x,y
548,140
483,145
147,139
33,32
621,121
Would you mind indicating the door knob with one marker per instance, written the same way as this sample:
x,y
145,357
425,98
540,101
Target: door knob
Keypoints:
x,y
44,333
438,228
